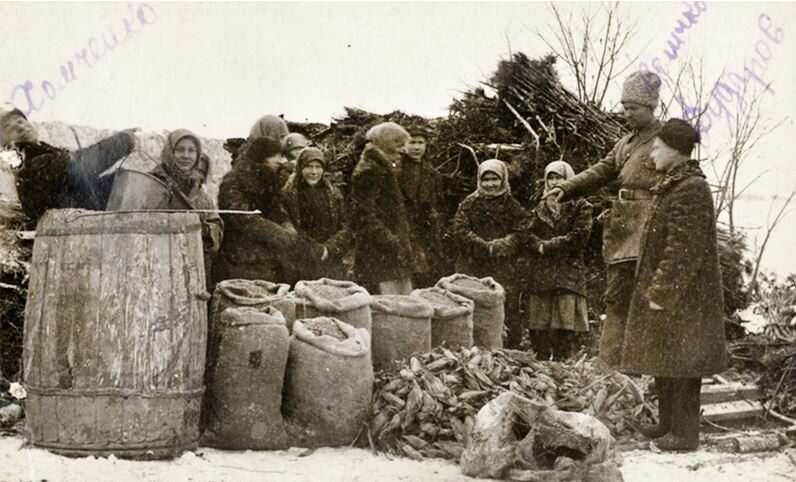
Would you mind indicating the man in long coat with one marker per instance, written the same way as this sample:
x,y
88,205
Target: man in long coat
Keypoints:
x,y
630,165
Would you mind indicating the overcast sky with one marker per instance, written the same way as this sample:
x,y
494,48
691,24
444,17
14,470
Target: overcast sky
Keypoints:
x,y
215,68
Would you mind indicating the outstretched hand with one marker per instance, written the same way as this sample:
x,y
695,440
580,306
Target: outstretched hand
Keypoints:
x,y
555,194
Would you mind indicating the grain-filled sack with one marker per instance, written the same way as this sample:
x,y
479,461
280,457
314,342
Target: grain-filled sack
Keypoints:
x,y
254,294
343,300
244,399
452,324
489,298
257,294
328,383
401,327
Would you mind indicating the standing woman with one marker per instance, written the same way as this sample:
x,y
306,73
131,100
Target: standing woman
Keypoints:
x,y
184,168
383,256
317,210
558,235
675,328
489,230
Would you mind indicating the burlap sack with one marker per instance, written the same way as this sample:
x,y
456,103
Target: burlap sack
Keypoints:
x,y
244,400
401,327
343,300
328,383
489,298
452,324
254,294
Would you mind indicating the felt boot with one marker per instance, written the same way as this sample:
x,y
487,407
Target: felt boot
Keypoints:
x,y
664,388
685,417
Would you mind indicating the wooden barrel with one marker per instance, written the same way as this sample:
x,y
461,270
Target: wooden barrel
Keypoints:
x,y
115,333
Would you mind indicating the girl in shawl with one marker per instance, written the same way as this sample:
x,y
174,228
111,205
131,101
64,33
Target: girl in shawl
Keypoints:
x,y
558,234
488,229
184,168
317,210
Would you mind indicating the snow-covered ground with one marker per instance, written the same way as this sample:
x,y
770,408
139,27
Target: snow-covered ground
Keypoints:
x,y
18,462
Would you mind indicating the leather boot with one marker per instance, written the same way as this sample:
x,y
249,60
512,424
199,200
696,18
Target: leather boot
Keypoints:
x,y
665,389
685,417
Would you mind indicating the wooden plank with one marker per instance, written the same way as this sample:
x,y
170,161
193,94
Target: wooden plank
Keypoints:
x,y
737,410
730,392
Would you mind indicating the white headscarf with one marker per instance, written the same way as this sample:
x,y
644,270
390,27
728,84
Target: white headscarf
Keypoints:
x,y
498,168
561,168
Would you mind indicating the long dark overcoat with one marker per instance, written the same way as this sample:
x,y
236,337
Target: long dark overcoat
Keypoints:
x,y
383,243
679,270
255,246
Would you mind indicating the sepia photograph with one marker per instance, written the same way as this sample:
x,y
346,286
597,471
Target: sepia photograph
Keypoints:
x,y
397,241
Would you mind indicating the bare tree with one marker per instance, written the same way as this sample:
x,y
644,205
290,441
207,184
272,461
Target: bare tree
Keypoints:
x,y
770,226
590,48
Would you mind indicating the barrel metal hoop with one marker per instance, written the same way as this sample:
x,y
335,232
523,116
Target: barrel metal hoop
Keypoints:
x,y
93,230
113,392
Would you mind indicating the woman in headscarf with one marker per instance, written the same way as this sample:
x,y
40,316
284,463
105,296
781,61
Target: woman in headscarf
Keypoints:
x,y
488,227
317,209
558,234
675,328
184,168
384,260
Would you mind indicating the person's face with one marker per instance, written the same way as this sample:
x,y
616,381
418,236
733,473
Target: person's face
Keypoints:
x,y
395,147
490,182
637,115
18,129
554,179
664,156
416,147
312,172
185,154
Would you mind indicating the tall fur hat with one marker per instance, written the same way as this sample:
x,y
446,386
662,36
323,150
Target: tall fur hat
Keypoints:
x,y
643,88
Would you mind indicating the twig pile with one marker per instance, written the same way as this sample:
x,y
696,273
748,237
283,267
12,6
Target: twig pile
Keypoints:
x,y
425,408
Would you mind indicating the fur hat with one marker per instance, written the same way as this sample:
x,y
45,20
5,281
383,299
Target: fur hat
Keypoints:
x,y
679,134
643,88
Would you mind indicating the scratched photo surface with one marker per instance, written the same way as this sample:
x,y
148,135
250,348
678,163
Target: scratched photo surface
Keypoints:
x,y
215,68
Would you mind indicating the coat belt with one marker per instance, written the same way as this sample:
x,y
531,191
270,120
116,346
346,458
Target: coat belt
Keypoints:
x,y
634,194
